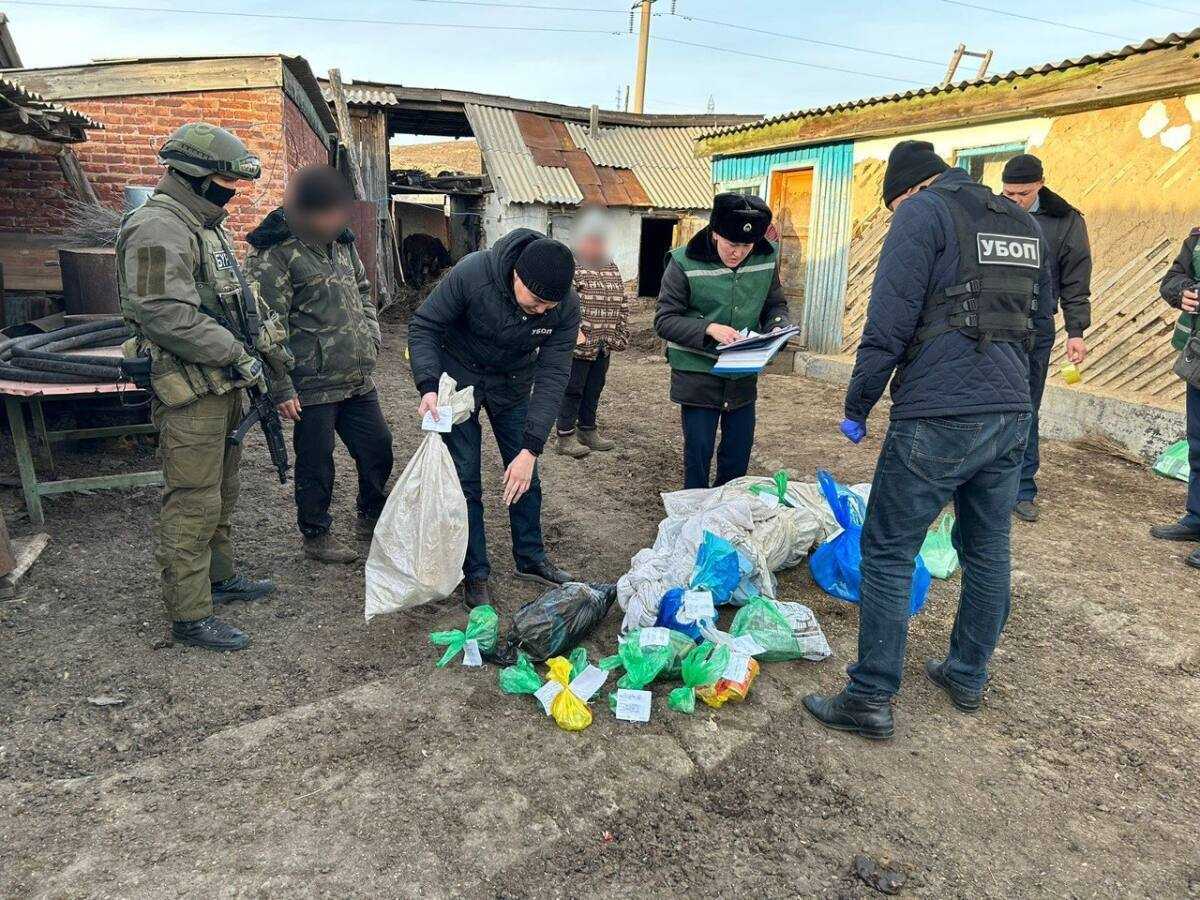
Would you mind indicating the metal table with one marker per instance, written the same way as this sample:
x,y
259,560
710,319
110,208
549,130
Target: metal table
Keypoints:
x,y
19,393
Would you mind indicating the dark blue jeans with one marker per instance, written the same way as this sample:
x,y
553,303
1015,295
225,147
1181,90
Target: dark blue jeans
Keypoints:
x,y
1039,368
976,462
524,516
700,438
1191,518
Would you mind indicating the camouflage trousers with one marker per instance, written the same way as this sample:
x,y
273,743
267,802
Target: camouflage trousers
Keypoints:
x,y
200,475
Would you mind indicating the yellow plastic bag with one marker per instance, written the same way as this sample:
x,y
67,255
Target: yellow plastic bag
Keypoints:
x,y
571,713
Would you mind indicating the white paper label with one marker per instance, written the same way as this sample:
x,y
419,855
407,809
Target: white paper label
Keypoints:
x,y
445,420
738,667
471,655
698,605
633,706
546,694
747,645
654,637
588,682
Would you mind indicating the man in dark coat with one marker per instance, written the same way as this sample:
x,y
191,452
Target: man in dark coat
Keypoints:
x,y
1179,289
724,281
1071,279
504,320
948,324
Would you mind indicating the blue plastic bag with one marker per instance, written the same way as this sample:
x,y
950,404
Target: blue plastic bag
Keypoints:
x,y
720,568
668,615
836,565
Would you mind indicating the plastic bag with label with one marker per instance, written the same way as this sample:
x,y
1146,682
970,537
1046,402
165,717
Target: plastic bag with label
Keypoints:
x,y
772,630
420,542
673,614
521,677
568,710
938,553
702,667
556,621
483,627
1173,462
720,568
647,655
730,688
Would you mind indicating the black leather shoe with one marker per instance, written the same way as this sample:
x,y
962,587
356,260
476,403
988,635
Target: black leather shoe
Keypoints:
x,y
239,587
965,700
476,593
545,572
1175,532
843,712
210,634
1193,559
1026,511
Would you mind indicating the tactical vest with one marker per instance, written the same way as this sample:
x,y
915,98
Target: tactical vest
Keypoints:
x,y
1183,326
994,296
177,382
717,293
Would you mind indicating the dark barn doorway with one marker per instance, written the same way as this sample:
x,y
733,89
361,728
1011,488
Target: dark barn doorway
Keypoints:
x,y
657,235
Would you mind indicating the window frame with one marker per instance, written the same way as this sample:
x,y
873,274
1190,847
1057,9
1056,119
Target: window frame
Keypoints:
x,y
964,154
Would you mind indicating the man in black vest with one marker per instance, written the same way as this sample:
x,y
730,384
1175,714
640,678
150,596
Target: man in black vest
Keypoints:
x,y
951,316
1070,262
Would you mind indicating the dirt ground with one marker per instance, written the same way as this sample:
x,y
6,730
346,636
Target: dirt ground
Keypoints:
x,y
332,759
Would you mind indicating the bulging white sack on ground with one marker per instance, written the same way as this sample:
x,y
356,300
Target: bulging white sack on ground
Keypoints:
x,y
420,542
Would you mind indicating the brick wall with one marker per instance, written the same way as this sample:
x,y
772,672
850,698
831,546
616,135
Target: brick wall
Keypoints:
x,y
123,153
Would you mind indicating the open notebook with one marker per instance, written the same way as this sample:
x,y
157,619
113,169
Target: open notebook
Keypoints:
x,y
751,355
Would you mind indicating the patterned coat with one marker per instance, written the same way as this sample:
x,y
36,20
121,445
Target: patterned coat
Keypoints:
x,y
603,308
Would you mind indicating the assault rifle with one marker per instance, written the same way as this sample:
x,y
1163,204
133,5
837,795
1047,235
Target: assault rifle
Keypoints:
x,y
262,411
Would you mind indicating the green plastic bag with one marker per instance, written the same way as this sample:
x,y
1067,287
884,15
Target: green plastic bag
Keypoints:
x,y
579,661
521,677
772,631
778,490
1173,462
702,667
659,656
941,559
483,627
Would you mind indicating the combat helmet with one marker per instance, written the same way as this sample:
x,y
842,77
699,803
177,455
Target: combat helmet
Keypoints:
x,y
200,149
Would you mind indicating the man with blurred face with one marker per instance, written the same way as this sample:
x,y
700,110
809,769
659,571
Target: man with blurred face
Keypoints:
x,y
723,282
304,261
604,328
1070,261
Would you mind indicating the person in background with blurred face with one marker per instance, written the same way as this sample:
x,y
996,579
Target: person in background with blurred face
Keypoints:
x,y
1070,260
604,328
723,282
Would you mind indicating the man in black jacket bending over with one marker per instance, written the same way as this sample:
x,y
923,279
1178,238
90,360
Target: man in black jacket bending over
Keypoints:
x,y
504,320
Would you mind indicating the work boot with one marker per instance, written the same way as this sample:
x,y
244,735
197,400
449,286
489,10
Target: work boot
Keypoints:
x,y
1175,532
568,445
1026,510
364,528
239,587
844,712
1193,559
476,593
590,438
967,701
210,634
545,572
328,549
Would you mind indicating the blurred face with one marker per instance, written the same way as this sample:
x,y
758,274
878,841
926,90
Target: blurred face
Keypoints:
x,y
731,254
531,304
592,249
1023,195
324,224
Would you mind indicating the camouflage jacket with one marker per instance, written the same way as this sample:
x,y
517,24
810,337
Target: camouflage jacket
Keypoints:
x,y
324,298
180,295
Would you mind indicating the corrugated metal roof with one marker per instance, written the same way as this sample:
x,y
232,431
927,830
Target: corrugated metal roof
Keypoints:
x,y
515,176
1171,40
33,114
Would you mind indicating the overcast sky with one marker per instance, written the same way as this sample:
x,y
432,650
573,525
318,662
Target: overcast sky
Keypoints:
x,y
585,68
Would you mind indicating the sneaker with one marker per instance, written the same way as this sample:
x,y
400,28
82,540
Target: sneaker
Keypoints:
x,y
545,572
844,712
967,701
591,438
328,549
568,445
476,593
239,587
210,634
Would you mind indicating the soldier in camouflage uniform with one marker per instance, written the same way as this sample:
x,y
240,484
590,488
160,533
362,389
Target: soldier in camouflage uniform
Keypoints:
x,y
179,294
305,265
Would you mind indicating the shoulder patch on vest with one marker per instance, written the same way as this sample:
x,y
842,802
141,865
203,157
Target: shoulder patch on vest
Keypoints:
x,y
223,259
1008,250
151,270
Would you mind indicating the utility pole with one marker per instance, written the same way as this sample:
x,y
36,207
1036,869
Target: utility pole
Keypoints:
x,y
639,84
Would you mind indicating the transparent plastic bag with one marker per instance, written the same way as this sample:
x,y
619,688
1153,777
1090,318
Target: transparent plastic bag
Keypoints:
x,y
521,677
483,627
647,655
1173,462
938,553
720,568
726,689
703,666
774,631
568,709
420,542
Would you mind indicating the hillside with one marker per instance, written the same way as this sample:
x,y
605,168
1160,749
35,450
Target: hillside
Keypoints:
x,y
442,156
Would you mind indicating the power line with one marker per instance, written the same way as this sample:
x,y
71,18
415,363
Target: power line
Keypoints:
x,y
806,40
794,62
325,19
1187,12
1013,15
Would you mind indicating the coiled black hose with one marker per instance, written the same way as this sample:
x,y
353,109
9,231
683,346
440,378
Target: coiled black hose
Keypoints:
x,y
42,357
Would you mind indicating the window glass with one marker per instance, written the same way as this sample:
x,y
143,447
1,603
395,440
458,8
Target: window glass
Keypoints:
x,y
985,164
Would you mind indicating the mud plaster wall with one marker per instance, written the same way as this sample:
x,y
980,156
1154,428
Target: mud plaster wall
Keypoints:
x,y
1134,172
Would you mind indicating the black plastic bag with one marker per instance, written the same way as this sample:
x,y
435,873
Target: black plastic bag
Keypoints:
x,y
555,623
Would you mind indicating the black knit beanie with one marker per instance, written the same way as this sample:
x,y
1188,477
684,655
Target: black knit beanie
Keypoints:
x,y
909,163
740,218
1023,169
547,267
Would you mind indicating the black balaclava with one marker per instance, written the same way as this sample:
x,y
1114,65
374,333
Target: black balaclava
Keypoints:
x,y
205,187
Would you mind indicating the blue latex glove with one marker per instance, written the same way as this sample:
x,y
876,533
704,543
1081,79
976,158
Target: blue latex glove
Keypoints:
x,y
854,431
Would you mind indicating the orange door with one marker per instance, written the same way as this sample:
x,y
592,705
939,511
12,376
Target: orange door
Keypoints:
x,y
791,204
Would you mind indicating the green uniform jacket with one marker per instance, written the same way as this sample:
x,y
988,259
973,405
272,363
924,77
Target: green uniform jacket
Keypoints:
x,y
324,297
1183,274
181,297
